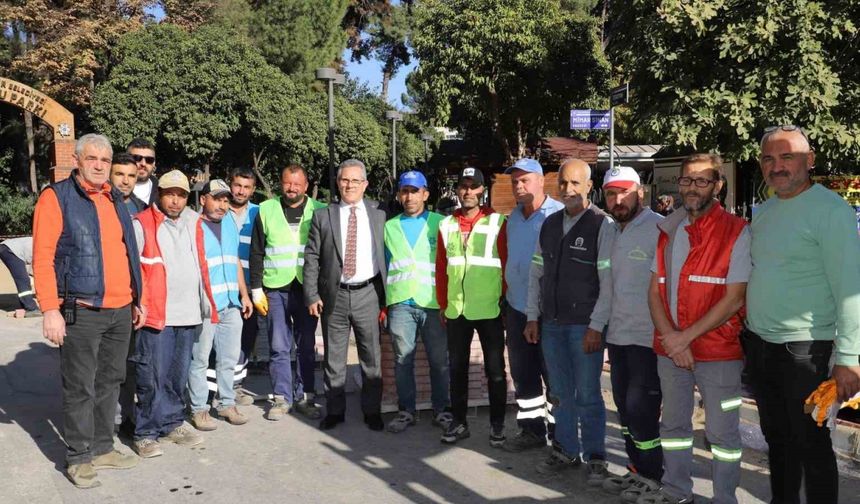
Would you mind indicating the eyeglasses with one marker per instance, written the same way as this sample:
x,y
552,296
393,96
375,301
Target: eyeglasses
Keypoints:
x,y
138,158
349,182
786,127
700,182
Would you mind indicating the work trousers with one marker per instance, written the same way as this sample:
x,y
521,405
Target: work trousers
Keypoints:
x,y
492,335
637,396
719,382
528,371
290,324
783,376
18,270
357,309
92,364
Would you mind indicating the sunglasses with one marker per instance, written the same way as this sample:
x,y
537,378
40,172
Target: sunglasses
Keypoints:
x,y
138,158
786,127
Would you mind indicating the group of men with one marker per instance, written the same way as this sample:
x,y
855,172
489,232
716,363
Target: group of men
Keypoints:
x,y
556,283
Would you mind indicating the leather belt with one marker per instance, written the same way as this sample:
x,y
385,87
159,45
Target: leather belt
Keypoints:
x,y
359,285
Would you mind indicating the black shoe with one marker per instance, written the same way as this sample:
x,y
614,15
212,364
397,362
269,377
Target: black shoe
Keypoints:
x,y
330,421
374,422
456,432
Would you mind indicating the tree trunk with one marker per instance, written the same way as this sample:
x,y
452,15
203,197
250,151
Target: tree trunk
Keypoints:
x,y
497,124
386,78
31,151
257,159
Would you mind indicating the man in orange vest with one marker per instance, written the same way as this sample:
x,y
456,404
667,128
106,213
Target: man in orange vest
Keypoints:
x,y
700,273
176,295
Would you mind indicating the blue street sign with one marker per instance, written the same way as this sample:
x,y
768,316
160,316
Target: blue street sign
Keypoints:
x,y
587,119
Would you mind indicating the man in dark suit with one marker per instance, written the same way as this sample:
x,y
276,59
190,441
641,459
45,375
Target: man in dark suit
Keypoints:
x,y
344,275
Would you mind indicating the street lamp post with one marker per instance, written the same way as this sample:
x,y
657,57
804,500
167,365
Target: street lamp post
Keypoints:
x,y
427,137
331,77
394,116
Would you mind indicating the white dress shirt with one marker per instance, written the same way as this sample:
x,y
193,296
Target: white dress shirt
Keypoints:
x,y
365,269
143,190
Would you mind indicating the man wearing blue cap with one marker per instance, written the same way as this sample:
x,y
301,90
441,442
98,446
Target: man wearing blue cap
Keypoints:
x,y
410,295
526,361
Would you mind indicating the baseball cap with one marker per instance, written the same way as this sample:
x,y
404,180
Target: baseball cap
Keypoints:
x,y
413,178
527,165
174,178
472,173
622,177
215,187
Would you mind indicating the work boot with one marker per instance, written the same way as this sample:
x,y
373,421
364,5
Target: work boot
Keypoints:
x,y
280,407
183,436
233,415
243,399
202,421
618,484
524,440
83,475
114,460
598,470
147,448
308,408
641,486
557,462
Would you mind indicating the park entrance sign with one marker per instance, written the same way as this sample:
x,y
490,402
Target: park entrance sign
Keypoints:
x,y
51,113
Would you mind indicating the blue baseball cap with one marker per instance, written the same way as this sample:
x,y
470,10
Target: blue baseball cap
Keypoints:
x,y
413,178
527,165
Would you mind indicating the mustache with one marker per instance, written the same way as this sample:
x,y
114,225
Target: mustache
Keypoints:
x,y
783,173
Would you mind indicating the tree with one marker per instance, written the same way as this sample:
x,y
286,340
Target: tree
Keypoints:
x,y
510,67
712,74
384,37
299,36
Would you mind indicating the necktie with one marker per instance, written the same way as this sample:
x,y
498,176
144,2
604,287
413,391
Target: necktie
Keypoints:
x,y
351,239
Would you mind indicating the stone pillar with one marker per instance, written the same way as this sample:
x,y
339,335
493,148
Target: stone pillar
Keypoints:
x,y
63,160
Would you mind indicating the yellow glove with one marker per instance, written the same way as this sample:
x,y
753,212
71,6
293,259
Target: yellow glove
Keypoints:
x,y
821,400
261,302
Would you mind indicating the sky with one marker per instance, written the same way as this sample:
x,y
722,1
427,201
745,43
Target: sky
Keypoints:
x,y
370,72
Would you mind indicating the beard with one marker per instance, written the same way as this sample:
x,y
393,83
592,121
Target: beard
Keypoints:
x,y
621,214
699,204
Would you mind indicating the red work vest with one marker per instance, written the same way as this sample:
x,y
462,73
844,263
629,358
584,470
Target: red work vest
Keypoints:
x,y
154,296
702,283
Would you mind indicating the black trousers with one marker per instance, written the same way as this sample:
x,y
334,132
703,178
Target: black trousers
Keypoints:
x,y
528,372
92,361
492,336
783,376
18,270
637,396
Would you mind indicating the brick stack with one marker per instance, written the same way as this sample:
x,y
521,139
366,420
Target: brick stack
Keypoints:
x,y
64,162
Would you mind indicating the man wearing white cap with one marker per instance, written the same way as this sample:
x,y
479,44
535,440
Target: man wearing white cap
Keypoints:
x,y
635,383
699,280
527,367
176,295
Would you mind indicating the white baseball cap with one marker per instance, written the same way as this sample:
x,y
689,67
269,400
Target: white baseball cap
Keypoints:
x,y
621,177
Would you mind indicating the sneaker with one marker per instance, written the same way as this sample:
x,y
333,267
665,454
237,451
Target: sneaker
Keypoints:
x,y
183,436
661,497
279,408
557,462
114,460
443,419
598,470
83,475
641,486
617,484
243,399
232,415
403,420
455,432
308,408
524,440
202,421
147,448
497,436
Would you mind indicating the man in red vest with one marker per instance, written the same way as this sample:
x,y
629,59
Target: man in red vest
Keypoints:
x,y
701,269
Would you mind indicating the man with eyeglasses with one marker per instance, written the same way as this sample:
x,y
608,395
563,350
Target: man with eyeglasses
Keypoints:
x,y
803,305
700,272
143,153
344,275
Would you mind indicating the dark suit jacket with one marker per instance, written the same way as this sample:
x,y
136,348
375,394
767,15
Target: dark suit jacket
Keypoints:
x,y
324,254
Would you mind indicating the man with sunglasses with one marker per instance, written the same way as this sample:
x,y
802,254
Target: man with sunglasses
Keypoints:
x,y
804,305
699,279
143,153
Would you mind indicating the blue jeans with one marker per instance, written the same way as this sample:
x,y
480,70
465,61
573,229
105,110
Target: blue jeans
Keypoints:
x,y
404,323
162,359
226,337
575,380
290,323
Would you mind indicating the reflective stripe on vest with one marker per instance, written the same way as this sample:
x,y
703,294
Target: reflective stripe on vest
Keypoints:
x,y
474,272
412,271
246,229
221,259
284,249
